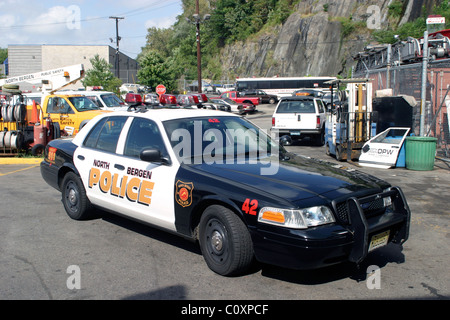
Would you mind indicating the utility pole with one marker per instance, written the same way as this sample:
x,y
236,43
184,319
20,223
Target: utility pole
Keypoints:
x,y
199,51
423,98
197,21
117,44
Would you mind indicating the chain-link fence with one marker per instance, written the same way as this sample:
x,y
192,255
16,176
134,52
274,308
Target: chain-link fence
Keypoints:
x,y
407,80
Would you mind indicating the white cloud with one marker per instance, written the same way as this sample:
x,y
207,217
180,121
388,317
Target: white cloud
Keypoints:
x,y
7,20
55,20
162,22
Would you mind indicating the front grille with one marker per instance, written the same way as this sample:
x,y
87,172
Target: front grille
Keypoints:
x,y
371,206
342,212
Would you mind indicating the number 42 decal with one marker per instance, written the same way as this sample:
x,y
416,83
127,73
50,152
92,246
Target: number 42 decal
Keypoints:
x,y
250,206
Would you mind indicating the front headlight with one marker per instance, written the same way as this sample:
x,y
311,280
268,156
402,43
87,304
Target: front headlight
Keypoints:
x,y
296,219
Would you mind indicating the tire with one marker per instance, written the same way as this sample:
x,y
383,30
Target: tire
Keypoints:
x,y
20,112
320,139
272,100
74,199
37,150
56,130
225,242
339,151
11,86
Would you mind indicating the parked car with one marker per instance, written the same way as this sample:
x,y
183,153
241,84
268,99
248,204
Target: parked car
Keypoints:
x,y
241,108
105,100
299,116
225,87
235,96
265,97
304,214
210,104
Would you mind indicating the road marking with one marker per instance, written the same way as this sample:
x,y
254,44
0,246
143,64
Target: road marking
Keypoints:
x,y
15,171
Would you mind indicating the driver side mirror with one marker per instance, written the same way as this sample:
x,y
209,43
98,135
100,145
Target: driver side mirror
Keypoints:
x,y
153,155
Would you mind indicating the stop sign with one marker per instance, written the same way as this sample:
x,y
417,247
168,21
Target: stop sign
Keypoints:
x,y
160,89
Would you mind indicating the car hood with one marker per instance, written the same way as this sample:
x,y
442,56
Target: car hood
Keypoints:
x,y
295,179
94,112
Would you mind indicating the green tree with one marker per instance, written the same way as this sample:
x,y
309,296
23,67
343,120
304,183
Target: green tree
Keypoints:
x,y
101,75
154,70
3,55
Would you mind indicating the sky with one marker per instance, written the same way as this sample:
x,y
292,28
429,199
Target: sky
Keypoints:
x,y
84,22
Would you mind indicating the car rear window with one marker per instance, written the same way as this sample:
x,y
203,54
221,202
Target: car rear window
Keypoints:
x,y
296,106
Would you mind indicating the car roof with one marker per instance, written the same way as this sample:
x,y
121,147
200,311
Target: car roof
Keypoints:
x,y
164,114
158,115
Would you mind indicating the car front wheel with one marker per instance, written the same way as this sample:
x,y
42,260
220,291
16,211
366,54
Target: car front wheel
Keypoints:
x,y
225,242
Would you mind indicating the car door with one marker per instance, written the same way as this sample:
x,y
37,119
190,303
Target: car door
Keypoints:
x,y
116,179
382,151
60,111
321,111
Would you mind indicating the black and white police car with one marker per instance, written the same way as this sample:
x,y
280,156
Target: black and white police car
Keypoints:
x,y
216,178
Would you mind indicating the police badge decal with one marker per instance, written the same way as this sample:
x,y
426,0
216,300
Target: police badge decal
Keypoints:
x,y
183,193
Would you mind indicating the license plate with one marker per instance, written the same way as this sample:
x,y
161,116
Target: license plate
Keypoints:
x,y
295,133
379,240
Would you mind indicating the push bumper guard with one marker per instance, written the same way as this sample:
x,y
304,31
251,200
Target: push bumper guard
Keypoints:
x,y
360,227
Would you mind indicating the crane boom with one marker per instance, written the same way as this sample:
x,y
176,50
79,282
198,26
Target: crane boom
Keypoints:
x,y
51,80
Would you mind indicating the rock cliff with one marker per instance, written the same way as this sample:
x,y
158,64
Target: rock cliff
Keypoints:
x,y
319,38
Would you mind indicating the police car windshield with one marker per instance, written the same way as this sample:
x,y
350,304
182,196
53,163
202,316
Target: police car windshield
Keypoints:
x,y
218,139
82,103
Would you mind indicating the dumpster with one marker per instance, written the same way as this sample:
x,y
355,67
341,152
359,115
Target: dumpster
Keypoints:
x,y
420,153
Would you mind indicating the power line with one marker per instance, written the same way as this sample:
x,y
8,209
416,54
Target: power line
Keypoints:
x,y
145,9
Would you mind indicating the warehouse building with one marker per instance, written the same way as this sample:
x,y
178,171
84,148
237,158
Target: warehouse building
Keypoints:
x,y
25,59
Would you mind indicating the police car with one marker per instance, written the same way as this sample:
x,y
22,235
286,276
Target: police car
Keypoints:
x,y
216,178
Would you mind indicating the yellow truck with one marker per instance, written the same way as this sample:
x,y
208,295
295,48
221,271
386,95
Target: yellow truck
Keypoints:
x,y
72,112
26,123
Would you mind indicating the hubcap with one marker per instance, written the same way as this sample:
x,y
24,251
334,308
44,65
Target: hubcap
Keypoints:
x,y
217,241
72,197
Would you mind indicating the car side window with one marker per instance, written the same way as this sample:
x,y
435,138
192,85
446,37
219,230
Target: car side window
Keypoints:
x,y
320,106
58,105
143,134
105,134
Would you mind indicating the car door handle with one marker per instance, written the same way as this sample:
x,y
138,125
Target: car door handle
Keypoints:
x,y
80,157
119,166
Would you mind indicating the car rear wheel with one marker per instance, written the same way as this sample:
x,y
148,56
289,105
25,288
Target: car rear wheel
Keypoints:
x,y
225,242
74,198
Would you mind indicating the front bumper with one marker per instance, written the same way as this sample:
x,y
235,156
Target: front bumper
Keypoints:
x,y
330,244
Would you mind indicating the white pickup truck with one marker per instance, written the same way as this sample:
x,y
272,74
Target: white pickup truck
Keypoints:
x,y
226,87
